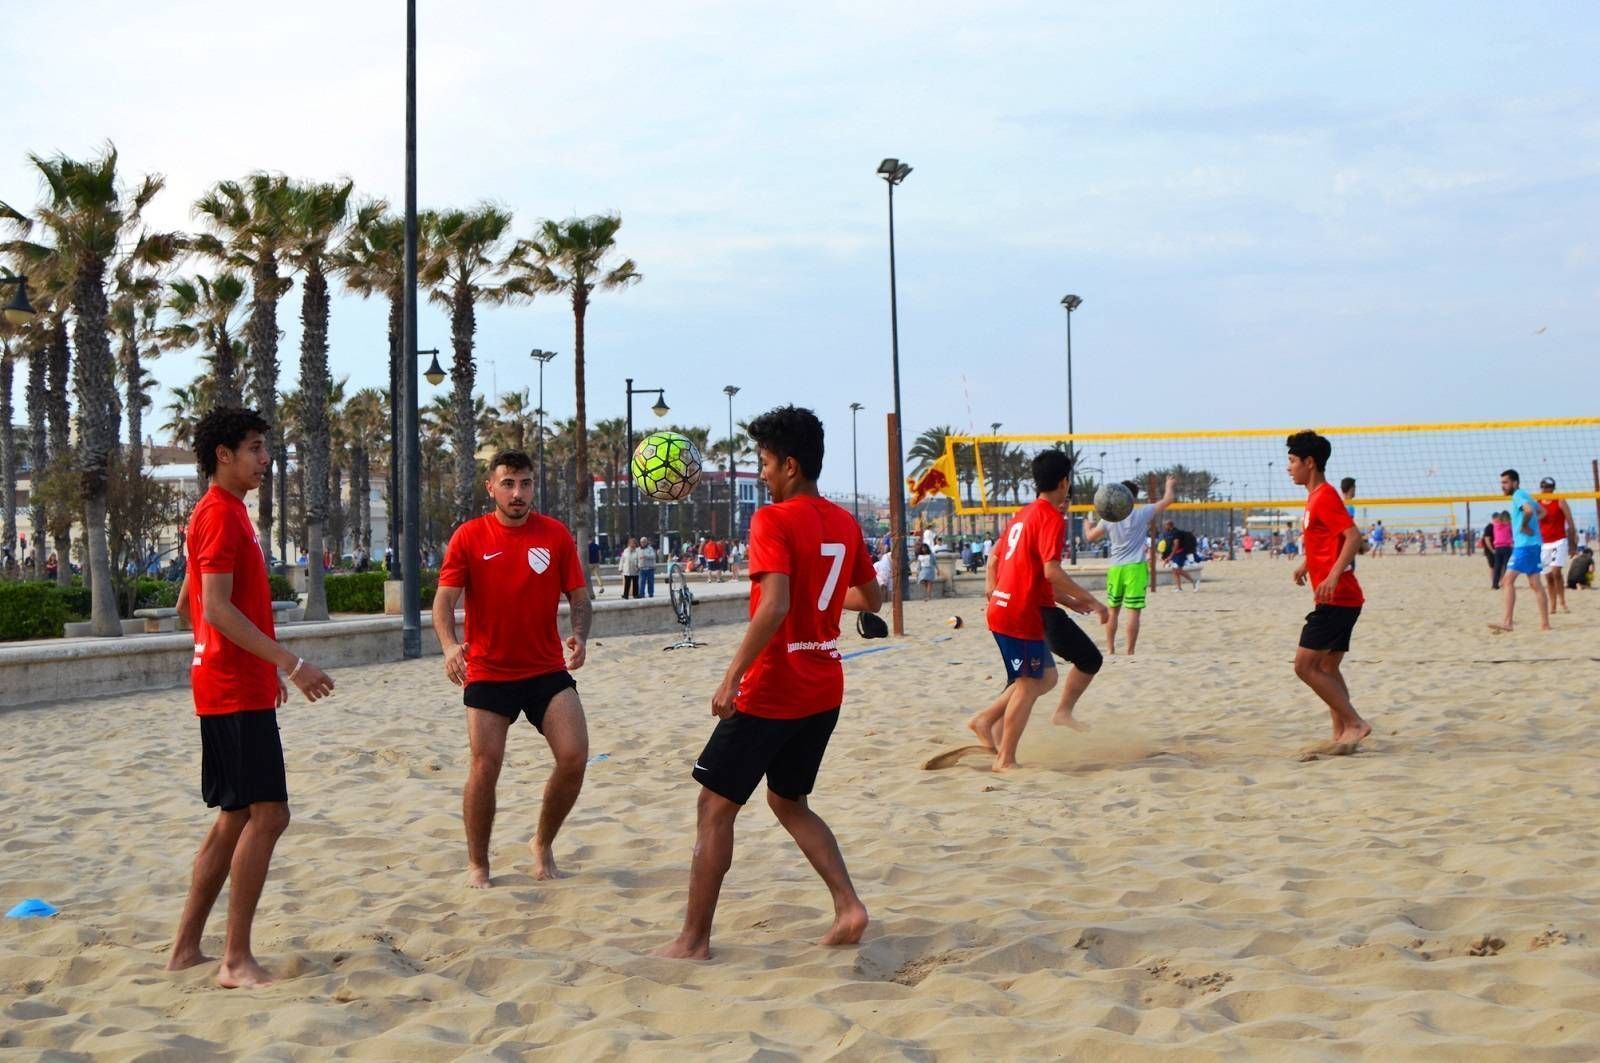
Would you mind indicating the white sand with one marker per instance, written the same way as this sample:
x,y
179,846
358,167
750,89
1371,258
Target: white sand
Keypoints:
x,y
1171,884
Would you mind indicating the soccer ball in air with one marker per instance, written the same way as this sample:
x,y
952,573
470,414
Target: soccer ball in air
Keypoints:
x,y
1113,502
666,466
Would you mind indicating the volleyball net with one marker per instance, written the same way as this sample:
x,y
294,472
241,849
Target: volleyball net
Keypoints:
x,y
1426,474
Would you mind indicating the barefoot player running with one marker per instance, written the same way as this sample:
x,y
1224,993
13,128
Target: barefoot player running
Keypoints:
x,y
236,692
1331,540
513,566
780,697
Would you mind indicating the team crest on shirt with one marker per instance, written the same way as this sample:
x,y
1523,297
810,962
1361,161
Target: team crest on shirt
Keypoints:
x,y
538,558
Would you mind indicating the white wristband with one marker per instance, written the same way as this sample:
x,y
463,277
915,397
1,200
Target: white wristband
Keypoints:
x,y
298,661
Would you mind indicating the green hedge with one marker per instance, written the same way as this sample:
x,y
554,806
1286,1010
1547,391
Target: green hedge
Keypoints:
x,y
282,589
36,610
362,592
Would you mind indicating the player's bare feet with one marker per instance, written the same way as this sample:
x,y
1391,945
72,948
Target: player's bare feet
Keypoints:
x,y
1544,627
1064,718
1354,735
247,974
1004,764
182,960
1500,629
985,735
679,949
848,926
477,877
544,862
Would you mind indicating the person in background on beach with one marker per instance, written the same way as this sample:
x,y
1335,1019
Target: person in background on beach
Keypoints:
x,y
1580,574
1558,534
597,576
1182,552
1128,578
779,699
628,563
1526,544
927,570
1331,540
1378,538
1023,579
1502,545
1486,543
237,690
513,566
647,569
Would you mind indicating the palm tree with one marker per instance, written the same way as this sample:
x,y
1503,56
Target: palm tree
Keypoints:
x,y
249,230
135,305
465,260
204,309
571,257
89,217
337,523
8,456
365,420
315,215
610,439
188,405
35,342
515,421
928,447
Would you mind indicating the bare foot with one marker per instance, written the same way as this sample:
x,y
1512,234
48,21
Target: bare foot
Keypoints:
x,y
679,949
985,736
1500,629
847,927
544,862
182,960
1004,764
477,877
1064,718
1544,627
247,974
1354,735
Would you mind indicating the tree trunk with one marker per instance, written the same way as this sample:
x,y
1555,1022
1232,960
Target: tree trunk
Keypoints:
x,y
98,420
314,426
38,454
132,372
463,374
8,463
228,391
60,364
392,507
262,332
583,482
338,512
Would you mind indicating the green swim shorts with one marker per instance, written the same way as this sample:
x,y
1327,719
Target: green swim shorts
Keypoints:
x,y
1126,584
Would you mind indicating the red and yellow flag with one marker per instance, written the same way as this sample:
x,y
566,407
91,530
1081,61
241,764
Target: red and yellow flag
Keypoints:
x,y
937,479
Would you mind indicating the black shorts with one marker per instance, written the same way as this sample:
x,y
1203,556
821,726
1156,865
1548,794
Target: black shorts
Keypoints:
x,y
1069,641
241,760
743,748
1328,628
510,697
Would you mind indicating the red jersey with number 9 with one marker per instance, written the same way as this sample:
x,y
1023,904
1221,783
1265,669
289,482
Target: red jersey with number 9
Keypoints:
x,y
1034,536
818,546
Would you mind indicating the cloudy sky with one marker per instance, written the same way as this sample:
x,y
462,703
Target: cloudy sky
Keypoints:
x,y
1274,215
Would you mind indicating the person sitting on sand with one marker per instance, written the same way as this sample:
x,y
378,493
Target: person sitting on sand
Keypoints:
x,y
1331,541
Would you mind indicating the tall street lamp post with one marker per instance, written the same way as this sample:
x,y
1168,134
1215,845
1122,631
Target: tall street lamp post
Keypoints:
x,y
1071,303
411,546
894,172
660,410
733,467
855,467
543,358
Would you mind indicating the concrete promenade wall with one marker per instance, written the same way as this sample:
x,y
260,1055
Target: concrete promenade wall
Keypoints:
x,y
61,670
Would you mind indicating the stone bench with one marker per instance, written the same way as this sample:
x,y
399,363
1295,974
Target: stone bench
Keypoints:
x,y
287,612
157,620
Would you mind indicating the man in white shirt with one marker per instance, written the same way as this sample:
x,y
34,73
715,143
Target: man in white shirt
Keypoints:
x,y
1129,576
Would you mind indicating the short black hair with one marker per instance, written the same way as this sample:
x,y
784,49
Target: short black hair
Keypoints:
x,y
1347,484
1308,444
1132,486
224,426
515,460
791,432
1050,467
1513,474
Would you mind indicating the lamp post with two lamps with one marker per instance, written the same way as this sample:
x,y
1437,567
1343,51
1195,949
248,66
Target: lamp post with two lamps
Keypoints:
x,y
543,358
660,409
733,469
894,172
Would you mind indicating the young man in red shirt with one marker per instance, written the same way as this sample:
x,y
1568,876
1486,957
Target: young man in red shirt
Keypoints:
x,y
237,690
1023,580
1558,534
779,699
1331,540
513,566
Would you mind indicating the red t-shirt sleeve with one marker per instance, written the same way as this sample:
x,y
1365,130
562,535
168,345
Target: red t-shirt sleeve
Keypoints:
x,y
769,550
1333,513
453,573
211,548
572,576
1050,537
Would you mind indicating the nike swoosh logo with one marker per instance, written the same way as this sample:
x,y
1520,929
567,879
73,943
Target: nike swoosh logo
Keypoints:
x,y
497,553
700,767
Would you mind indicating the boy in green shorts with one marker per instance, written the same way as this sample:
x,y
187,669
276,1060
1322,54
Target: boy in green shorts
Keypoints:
x,y
1129,575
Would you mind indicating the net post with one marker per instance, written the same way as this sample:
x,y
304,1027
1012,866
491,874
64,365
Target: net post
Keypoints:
x,y
897,551
1594,466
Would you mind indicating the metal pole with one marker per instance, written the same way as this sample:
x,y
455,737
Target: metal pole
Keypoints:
x,y
396,521
902,585
411,582
631,491
897,519
855,466
542,507
1072,518
733,477
283,503
1595,467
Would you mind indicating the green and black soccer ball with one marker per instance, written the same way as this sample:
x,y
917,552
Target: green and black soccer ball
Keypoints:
x,y
666,466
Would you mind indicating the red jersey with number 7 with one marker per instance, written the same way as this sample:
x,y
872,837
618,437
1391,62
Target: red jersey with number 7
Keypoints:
x,y
1036,535
818,546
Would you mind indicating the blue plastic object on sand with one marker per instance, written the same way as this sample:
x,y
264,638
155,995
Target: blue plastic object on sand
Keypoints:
x,y
32,908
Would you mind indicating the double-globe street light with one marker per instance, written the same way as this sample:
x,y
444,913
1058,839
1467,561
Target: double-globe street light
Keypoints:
x,y
1071,303
543,358
733,466
660,409
893,172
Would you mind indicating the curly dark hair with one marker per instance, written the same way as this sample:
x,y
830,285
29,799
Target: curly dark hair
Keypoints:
x,y
791,432
224,426
1050,467
1308,444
